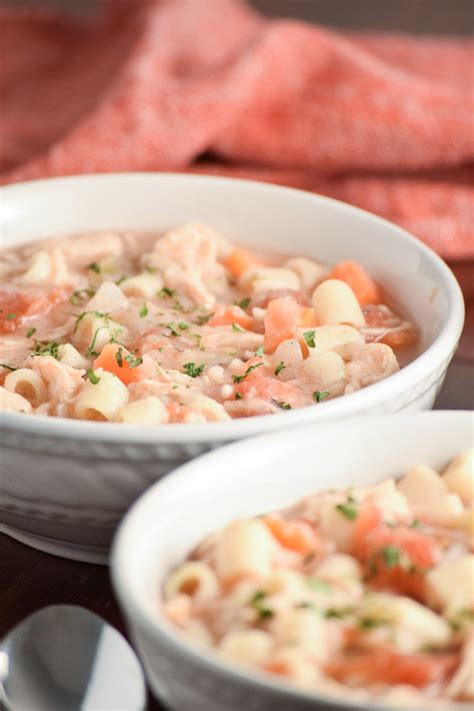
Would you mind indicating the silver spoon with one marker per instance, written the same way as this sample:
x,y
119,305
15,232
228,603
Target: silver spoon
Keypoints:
x,y
65,658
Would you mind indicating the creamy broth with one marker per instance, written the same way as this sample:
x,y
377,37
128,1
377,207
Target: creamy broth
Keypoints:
x,y
186,327
364,593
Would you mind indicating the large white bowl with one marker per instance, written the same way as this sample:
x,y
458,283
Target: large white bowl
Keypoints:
x,y
246,479
64,484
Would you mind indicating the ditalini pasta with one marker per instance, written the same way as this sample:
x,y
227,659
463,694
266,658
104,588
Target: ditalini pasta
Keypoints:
x,y
366,591
185,327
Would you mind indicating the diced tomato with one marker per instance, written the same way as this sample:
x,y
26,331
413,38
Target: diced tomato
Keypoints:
x,y
385,667
364,287
296,535
113,358
372,537
16,306
262,385
283,319
239,260
383,317
226,315
279,668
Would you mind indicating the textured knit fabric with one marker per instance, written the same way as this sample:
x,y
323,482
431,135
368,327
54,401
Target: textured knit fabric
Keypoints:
x,y
382,121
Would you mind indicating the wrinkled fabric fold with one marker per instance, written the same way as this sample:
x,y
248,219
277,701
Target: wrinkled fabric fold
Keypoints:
x,y
382,121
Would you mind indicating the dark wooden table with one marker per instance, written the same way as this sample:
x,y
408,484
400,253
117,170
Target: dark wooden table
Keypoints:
x,y
30,580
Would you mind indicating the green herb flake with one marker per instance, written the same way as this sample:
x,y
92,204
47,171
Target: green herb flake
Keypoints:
x,y
240,378
79,296
143,310
132,361
237,328
11,317
173,327
93,377
119,357
391,556
284,405
281,366
202,320
166,293
257,601
183,326
30,332
94,267
370,623
338,613
349,509
309,338
259,352
45,348
244,303
319,396
238,396
193,370
7,367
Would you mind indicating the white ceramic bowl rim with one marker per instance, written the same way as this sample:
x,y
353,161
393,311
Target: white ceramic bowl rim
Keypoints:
x,y
135,606
437,353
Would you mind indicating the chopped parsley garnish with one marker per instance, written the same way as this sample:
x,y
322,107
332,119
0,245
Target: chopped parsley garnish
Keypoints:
x,y
90,351
238,396
183,326
239,378
119,357
348,509
143,310
338,613
10,317
464,615
257,601
151,270
30,332
370,623
82,315
319,396
94,267
244,303
284,405
391,556
281,366
45,348
416,523
173,327
7,367
81,295
121,279
309,338
132,361
193,370
166,293
237,328
201,320
92,376
318,585
259,352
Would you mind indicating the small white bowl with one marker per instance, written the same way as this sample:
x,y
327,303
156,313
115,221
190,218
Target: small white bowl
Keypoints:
x,y
247,479
64,484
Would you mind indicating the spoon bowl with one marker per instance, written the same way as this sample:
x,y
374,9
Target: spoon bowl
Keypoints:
x,y
65,658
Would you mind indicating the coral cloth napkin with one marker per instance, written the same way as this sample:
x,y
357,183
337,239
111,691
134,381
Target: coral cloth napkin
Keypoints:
x,y
382,121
